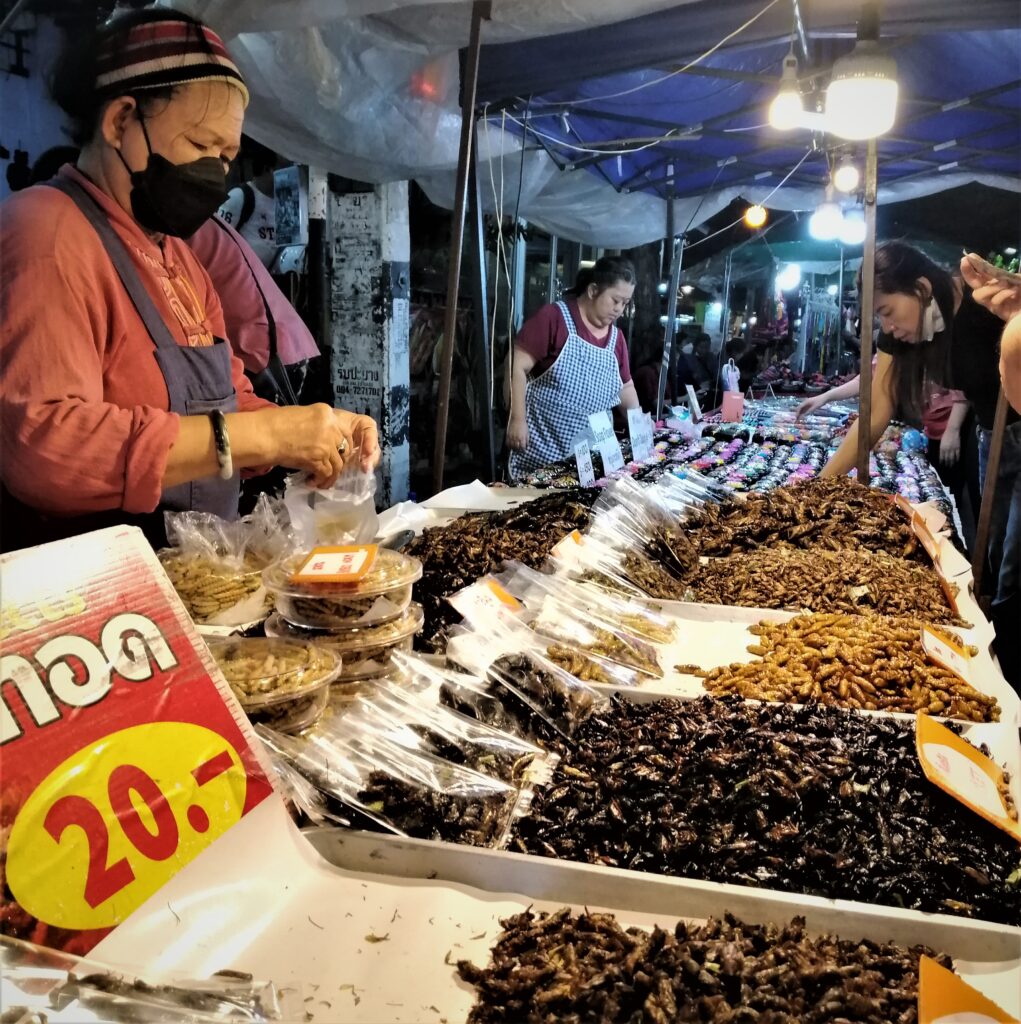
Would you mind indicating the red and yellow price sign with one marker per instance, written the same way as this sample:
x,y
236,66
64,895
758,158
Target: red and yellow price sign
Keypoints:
x,y
124,753
109,825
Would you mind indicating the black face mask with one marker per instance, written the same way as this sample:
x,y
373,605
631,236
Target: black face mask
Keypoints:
x,y
176,199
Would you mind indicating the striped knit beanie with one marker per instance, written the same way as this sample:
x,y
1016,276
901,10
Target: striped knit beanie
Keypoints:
x,y
170,51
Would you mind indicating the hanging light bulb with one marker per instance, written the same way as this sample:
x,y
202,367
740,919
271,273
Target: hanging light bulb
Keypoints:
x,y
755,216
662,287
753,319
847,176
789,278
831,289
861,99
853,230
687,289
826,222
786,109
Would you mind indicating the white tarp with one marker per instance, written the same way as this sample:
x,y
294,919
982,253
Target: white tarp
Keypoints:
x,y
332,85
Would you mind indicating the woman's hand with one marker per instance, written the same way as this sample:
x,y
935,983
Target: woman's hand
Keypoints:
x,y
950,447
809,405
517,434
363,439
998,290
310,438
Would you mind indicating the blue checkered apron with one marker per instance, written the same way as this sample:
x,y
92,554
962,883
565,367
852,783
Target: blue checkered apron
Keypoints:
x,y
583,380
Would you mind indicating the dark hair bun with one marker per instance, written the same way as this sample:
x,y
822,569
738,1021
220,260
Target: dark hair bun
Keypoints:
x,y
608,271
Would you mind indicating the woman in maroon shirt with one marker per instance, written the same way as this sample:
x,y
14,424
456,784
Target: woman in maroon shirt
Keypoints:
x,y
570,361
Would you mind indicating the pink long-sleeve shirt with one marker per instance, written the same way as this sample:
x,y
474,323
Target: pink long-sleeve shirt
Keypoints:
x,y
83,404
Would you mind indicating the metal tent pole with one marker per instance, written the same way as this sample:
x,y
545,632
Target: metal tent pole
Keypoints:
x,y
671,320
840,311
481,11
868,272
551,288
985,516
485,449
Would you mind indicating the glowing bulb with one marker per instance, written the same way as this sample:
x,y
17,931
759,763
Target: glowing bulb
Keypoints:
x,y
852,231
717,307
831,290
744,324
755,216
687,288
663,320
753,320
786,109
827,222
1010,251
846,177
861,99
789,278
662,287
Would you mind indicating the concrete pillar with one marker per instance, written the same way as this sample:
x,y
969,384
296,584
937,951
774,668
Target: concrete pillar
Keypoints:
x,y
369,305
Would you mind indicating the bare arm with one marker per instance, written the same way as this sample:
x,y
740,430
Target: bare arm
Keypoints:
x,y
628,396
517,427
846,455
837,394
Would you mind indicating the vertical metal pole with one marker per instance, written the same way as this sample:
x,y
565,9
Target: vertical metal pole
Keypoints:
x,y
484,391
980,558
551,288
481,11
725,321
671,321
840,312
868,273
318,257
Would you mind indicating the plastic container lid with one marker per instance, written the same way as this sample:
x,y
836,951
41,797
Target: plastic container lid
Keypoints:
x,y
390,571
282,682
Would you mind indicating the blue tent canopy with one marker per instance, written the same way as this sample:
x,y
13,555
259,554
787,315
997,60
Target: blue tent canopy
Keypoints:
x,y
656,130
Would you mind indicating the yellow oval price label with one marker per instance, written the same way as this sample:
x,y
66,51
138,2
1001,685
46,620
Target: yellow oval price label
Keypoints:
x,y
115,821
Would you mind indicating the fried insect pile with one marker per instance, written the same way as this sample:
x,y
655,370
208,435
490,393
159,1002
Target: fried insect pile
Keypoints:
x,y
806,799
559,968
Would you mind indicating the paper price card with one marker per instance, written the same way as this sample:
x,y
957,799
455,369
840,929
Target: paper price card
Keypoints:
x,y
696,410
945,998
962,771
640,428
945,651
605,442
583,457
347,564
124,753
568,548
483,599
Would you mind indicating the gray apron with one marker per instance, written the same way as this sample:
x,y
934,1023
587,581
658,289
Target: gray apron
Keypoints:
x,y
199,381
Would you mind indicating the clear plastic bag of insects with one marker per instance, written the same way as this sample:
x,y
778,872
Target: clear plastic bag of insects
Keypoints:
x,y
506,652
42,986
424,795
641,617
446,733
215,565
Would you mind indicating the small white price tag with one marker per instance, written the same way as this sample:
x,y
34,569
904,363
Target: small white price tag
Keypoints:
x,y
582,455
696,411
346,564
640,428
605,442
483,599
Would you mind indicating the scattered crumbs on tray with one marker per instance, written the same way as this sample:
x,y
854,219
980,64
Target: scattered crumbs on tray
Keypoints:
x,y
377,938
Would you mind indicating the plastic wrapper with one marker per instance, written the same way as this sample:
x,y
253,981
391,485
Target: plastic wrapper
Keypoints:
x,y
215,565
549,701
423,795
41,985
381,596
437,730
343,514
639,617
366,651
282,683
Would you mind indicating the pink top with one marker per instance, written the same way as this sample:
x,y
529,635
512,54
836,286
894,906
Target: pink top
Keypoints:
x,y
83,404
545,334
937,411
222,251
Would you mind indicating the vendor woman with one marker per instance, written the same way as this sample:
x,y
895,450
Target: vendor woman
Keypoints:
x,y
570,360
119,396
935,335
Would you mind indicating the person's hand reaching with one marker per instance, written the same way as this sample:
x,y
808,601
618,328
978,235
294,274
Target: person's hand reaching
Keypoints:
x,y
996,289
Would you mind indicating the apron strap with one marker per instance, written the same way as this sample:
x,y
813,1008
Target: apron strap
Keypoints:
x,y
122,262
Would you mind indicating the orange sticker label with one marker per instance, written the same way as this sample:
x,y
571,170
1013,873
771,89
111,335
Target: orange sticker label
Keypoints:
x,y
962,771
945,998
348,564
